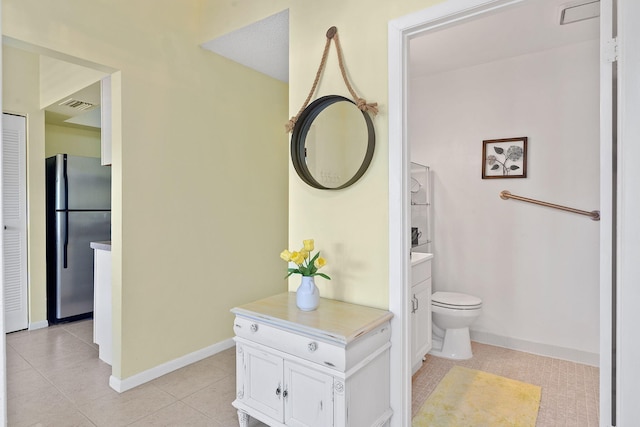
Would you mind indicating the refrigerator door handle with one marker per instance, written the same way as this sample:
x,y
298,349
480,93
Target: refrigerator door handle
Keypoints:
x,y
65,179
60,182
66,239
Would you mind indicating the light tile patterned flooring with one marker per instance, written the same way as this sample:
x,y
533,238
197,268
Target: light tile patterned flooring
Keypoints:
x,y
570,391
54,378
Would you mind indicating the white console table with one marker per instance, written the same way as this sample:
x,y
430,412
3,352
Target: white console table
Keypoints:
x,y
322,368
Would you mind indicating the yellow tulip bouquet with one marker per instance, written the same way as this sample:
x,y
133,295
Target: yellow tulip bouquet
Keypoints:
x,y
307,265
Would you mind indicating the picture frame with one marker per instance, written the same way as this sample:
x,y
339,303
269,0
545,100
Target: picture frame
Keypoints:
x,y
504,158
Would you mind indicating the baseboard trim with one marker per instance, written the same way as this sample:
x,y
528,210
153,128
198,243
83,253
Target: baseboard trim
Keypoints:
x,y
38,325
570,354
122,385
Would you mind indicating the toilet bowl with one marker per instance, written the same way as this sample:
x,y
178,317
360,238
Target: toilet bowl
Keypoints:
x,y
452,314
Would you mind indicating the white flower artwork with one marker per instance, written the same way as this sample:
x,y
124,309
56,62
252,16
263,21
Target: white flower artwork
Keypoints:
x,y
504,158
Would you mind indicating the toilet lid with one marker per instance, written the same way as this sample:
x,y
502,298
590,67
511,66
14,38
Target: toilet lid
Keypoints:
x,y
455,300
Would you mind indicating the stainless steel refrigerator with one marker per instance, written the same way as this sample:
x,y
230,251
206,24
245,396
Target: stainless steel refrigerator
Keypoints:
x,y
78,211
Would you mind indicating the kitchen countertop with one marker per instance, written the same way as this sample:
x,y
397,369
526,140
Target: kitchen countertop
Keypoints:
x,y
103,246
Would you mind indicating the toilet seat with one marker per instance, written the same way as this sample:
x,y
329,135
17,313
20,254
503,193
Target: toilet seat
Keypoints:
x,y
456,301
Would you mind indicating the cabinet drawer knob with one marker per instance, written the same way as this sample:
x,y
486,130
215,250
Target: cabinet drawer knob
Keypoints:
x,y
254,327
312,346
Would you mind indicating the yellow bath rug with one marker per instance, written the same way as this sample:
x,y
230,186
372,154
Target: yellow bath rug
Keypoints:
x,y
469,398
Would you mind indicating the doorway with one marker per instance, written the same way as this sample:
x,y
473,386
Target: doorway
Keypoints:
x,y
21,73
402,31
540,82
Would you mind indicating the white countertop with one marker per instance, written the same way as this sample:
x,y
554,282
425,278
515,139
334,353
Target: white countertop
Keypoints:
x,y
336,320
103,246
418,257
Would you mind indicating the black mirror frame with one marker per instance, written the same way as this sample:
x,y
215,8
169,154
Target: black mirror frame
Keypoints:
x,y
300,134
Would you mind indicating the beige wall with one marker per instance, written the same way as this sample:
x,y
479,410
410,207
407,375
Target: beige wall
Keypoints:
x,y
204,191
21,95
71,140
200,193
350,226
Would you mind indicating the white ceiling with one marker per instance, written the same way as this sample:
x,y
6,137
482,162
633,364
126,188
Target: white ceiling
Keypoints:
x,y
516,30
64,115
262,46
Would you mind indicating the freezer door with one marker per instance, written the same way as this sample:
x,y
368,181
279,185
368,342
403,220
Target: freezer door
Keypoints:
x,y
82,183
74,263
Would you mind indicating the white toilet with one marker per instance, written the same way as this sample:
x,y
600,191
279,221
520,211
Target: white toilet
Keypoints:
x,y
453,313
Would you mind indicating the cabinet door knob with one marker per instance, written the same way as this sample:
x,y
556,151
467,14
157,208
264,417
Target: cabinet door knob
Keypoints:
x,y
278,390
285,393
254,327
312,346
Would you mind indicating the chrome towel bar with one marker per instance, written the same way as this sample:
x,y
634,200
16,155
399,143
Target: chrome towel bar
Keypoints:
x,y
594,215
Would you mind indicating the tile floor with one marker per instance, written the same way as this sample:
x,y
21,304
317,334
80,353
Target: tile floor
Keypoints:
x,y
570,391
54,378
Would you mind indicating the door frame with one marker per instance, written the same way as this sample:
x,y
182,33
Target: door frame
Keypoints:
x,y
627,230
607,224
400,32
3,343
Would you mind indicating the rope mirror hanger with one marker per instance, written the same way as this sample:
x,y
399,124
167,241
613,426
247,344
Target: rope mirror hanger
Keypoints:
x,y
332,34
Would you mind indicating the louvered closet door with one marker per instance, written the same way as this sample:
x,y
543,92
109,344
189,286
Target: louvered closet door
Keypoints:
x,y
14,210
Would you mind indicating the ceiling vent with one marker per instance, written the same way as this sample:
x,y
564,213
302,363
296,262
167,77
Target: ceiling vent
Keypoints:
x,y
581,11
76,104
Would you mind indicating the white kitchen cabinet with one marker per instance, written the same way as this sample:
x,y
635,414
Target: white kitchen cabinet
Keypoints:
x,y
420,304
323,368
106,122
102,329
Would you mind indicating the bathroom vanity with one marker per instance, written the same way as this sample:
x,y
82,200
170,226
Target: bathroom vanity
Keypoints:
x,y
420,304
327,367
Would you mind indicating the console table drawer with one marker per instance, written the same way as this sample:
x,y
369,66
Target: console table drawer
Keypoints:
x,y
307,348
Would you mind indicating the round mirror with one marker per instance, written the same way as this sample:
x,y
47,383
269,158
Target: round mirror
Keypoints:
x,y
332,143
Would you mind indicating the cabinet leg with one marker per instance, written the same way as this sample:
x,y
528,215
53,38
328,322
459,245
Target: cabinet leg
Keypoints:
x,y
243,418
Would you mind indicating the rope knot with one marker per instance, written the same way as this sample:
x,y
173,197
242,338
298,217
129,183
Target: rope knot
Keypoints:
x,y
362,105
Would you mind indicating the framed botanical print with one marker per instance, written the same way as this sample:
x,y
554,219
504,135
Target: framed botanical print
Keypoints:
x,y
504,158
